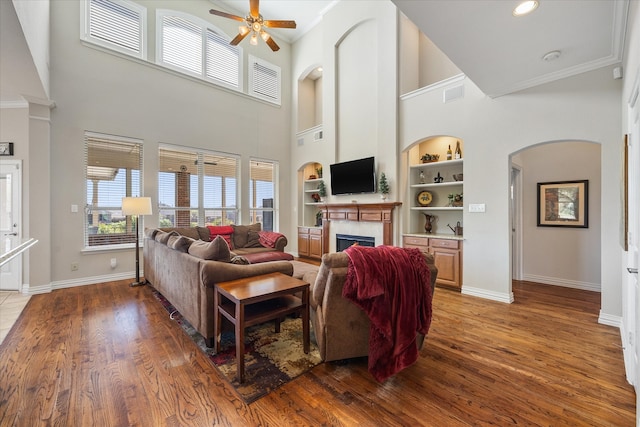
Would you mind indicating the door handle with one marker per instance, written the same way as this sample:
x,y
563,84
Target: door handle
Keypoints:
x,y
11,234
632,270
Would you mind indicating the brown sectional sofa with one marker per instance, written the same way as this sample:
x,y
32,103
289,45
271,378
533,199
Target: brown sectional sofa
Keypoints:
x,y
187,280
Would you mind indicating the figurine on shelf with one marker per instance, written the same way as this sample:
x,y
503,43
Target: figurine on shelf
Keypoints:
x,y
422,178
438,179
315,197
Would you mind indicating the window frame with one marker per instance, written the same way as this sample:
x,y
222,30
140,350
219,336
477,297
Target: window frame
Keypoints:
x,y
137,192
85,28
253,90
204,27
253,192
202,210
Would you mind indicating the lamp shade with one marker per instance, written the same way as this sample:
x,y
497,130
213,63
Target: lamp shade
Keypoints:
x,y
136,206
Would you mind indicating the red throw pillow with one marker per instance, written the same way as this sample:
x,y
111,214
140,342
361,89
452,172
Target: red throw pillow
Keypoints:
x,y
221,230
268,238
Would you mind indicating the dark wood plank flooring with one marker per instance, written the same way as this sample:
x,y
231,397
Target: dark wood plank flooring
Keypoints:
x,y
108,355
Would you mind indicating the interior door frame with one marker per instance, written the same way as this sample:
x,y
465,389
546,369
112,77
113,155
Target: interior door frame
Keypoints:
x,y
516,219
12,270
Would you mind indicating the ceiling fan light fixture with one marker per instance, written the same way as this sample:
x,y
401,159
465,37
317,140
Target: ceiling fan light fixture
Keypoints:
x,y
254,39
244,30
265,36
525,7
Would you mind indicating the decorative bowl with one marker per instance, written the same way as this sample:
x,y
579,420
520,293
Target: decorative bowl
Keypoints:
x,y
457,176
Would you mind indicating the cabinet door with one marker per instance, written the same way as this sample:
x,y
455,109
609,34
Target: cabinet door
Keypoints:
x,y
448,263
303,244
315,246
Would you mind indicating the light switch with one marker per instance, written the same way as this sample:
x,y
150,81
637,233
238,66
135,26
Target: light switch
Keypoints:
x,y
74,208
476,207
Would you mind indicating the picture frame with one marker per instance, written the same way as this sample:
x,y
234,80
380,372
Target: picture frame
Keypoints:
x,y
563,204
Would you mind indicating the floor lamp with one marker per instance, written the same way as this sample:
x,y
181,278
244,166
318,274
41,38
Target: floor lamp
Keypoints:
x,y
137,206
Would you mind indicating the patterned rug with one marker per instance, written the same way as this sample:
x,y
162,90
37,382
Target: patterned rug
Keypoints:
x,y
270,361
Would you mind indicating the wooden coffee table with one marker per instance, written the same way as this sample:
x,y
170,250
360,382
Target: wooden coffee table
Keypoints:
x,y
254,300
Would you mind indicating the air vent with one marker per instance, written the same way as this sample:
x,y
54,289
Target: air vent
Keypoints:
x,y
452,93
317,136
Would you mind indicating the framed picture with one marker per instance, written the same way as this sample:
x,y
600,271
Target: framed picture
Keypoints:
x,y
563,204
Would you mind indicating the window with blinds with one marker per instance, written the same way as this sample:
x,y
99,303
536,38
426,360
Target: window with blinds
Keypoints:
x,y
113,171
193,46
264,80
262,199
116,24
197,188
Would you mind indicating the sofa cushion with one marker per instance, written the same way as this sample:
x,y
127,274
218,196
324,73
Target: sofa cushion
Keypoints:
x,y
222,230
216,250
241,234
180,243
184,231
258,257
268,238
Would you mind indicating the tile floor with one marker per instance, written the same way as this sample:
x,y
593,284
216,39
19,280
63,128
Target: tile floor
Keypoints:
x,y
11,305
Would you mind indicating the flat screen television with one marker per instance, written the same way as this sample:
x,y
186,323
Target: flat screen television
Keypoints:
x,y
353,177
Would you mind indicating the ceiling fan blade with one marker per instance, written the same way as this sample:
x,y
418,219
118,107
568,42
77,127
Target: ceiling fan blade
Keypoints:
x,y
254,8
279,24
238,38
226,15
272,44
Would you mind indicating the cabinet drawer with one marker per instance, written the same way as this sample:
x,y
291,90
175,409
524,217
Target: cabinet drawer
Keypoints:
x,y
303,230
444,243
415,241
315,231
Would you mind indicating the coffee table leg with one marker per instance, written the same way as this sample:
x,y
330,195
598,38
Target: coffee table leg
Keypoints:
x,y
305,320
240,340
217,317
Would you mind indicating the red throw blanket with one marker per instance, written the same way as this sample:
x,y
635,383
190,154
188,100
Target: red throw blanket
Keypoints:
x,y
392,285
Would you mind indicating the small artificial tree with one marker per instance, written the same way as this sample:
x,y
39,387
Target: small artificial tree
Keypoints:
x,y
322,190
383,187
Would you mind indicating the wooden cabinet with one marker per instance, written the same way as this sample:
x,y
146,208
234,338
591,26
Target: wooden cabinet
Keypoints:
x,y
310,242
447,254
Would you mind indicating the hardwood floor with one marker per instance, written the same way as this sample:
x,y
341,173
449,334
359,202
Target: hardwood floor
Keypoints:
x,y
108,355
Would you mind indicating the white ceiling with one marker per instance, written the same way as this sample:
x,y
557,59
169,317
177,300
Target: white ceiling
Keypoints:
x,y
500,53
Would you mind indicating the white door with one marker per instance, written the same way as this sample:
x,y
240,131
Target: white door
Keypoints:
x,y
10,217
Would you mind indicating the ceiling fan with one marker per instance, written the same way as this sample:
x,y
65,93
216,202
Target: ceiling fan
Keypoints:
x,y
254,24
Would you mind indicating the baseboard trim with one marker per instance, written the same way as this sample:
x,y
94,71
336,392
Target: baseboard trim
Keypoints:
x,y
483,293
610,319
63,284
555,281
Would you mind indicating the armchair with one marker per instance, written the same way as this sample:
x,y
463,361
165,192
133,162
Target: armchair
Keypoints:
x,y
340,327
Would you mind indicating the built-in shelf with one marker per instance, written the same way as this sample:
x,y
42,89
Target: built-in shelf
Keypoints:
x,y
443,163
437,208
439,184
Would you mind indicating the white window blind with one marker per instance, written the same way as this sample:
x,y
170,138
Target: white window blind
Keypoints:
x,y
193,46
113,171
262,199
182,44
197,188
117,24
264,80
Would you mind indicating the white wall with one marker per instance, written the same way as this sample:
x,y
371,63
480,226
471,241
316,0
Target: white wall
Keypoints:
x,y
101,92
557,255
34,19
585,107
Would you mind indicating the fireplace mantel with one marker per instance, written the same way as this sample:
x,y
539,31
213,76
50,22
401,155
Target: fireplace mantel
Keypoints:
x,y
359,212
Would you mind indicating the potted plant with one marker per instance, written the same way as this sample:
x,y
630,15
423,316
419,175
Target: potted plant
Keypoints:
x,y
383,186
322,190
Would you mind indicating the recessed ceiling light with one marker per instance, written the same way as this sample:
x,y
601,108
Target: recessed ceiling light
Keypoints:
x,y
525,7
551,56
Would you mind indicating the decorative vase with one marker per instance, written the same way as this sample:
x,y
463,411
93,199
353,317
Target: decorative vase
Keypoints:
x,y
429,220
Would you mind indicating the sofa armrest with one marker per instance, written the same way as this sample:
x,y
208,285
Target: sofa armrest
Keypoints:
x,y
281,242
212,272
310,277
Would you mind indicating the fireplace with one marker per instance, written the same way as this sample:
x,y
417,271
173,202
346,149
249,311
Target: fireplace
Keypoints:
x,y
343,241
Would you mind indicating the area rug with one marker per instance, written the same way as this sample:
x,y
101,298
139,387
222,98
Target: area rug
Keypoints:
x,y
270,361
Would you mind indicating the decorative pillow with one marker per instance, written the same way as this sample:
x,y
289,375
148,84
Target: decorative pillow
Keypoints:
x,y
221,230
241,234
239,259
162,237
203,234
183,231
268,238
150,233
253,239
216,250
180,243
